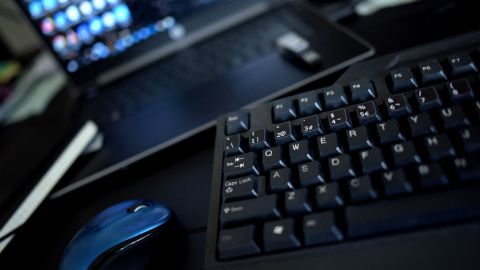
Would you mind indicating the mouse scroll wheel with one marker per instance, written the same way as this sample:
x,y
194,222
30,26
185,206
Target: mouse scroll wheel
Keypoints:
x,y
137,207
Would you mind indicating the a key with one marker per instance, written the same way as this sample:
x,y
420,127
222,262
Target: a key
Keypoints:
x,y
237,242
296,202
367,113
358,139
461,64
280,180
361,189
258,139
404,154
372,160
320,228
402,79
362,90
467,168
397,106
431,175
471,139
328,196
283,110
431,71
272,159
340,167
283,133
261,208
240,165
310,173
395,183
412,212
280,235
338,120
420,125
389,132
233,145
460,91
311,126
299,152
236,122
427,98
334,97
308,103
240,188
453,117
328,145
439,146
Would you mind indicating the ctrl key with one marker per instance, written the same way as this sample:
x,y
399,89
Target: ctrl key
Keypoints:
x,y
237,242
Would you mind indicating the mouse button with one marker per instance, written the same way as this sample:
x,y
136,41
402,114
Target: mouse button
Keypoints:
x,y
137,207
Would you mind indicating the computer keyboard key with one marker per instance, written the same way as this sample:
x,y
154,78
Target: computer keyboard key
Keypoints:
x,y
297,202
321,228
328,145
474,109
308,103
431,175
340,167
280,235
310,173
283,110
439,146
404,154
328,196
258,139
362,90
233,145
240,165
361,189
467,168
421,125
334,97
460,91
367,113
280,180
471,139
372,161
237,122
299,152
283,133
237,242
240,188
310,127
411,212
395,183
261,208
427,98
431,72
461,64
454,117
338,120
358,139
397,106
389,132
272,158
402,79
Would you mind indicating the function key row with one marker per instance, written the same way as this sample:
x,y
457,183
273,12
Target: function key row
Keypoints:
x,y
332,97
431,71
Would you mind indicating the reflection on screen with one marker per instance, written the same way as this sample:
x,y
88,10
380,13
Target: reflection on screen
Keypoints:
x,y
82,32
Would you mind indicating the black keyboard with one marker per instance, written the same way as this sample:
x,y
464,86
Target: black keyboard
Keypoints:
x,y
392,147
231,50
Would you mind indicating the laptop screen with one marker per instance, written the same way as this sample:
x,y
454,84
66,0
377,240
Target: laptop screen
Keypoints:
x,y
84,32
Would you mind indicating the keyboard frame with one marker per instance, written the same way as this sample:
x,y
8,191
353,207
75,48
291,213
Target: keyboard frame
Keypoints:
x,y
376,70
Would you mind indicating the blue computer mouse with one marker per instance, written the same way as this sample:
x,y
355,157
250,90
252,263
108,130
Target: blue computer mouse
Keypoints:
x,y
115,231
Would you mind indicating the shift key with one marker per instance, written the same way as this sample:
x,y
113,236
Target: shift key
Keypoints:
x,y
262,208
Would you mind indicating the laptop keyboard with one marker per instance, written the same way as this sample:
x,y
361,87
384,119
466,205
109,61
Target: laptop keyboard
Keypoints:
x,y
222,54
394,152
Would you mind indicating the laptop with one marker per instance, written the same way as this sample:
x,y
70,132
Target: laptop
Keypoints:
x,y
152,73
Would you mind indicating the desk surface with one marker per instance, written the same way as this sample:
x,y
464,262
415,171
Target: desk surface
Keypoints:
x,y
180,177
